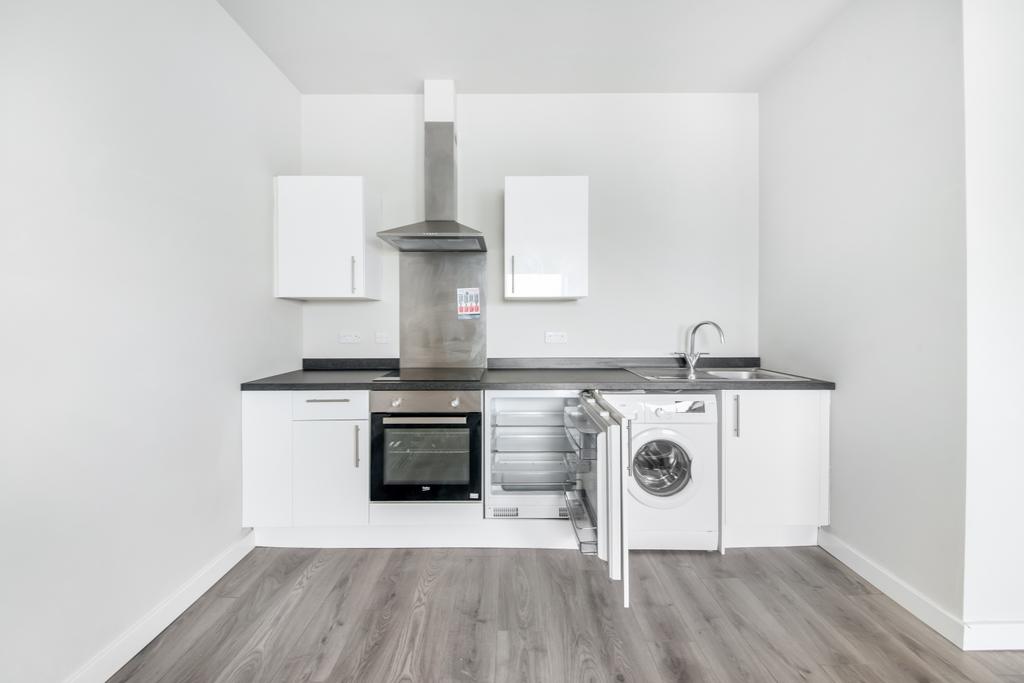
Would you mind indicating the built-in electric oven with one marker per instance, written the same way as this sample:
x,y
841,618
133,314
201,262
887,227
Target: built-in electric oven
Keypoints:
x,y
425,446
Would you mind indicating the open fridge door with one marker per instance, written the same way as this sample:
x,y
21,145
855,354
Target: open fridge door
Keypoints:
x,y
603,494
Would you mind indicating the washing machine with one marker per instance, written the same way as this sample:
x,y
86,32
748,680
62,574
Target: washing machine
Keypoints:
x,y
674,458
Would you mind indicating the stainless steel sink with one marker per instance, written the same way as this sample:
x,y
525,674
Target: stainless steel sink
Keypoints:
x,y
662,374
713,374
748,374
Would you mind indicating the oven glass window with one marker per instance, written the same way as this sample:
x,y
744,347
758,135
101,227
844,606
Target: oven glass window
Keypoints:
x,y
426,456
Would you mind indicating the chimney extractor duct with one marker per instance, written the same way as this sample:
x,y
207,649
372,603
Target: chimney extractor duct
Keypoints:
x,y
440,231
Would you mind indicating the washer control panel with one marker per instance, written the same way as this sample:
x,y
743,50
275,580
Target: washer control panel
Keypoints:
x,y
680,408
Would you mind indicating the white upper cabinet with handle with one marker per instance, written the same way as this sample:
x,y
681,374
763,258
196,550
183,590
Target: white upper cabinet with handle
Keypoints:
x,y
546,226
325,239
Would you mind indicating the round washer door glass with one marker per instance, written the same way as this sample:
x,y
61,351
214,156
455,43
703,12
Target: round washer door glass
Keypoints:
x,y
662,467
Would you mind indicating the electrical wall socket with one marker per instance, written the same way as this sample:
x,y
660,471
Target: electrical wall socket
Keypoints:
x,y
382,338
349,338
556,338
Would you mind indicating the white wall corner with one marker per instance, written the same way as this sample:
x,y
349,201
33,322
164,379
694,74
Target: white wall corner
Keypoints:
x,y
921,606
125,646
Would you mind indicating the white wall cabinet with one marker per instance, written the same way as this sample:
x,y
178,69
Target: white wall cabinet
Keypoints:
x,y
775,456
305,458
546,237
325,239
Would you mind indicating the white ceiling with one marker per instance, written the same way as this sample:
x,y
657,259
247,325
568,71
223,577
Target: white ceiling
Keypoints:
x,y
561,46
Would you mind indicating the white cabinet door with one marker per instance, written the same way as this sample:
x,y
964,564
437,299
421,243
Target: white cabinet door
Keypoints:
x,y
546,226
266,458
775,466
324,240
330,472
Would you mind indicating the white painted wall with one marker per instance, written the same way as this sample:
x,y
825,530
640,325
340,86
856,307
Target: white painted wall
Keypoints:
x,y
138,144
673,214
863,275
994,82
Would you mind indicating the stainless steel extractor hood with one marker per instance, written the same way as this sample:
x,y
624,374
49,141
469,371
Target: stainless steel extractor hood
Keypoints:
x,y
434,236
440,231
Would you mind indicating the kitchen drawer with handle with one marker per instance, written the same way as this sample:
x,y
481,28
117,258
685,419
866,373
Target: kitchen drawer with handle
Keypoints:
x,y
330,405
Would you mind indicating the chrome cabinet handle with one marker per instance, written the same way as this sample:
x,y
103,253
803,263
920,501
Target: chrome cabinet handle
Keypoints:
x,y
353,274
328,400
357,446
513,274
736,416
424,420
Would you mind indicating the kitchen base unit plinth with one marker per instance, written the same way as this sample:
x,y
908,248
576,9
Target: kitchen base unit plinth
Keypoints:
x,y
482,533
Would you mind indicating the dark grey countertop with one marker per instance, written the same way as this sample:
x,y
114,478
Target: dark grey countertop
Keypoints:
x,y
604,379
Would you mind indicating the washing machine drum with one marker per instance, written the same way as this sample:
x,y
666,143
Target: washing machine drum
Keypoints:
x,y
662,467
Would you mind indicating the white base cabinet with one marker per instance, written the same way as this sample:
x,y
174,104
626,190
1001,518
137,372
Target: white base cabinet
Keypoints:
x,y
305,458
775,467
266,458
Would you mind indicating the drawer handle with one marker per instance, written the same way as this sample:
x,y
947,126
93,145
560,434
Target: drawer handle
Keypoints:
x,y
736,429
328,400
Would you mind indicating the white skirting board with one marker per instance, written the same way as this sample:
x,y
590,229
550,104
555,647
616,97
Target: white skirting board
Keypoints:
x,y
908,597
994,635
970,635
115,655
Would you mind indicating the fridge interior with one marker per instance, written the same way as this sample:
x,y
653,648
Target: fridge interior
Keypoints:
x,y
528,456
539,462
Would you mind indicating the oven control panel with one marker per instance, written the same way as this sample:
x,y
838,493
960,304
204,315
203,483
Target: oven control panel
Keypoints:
x,y
458,402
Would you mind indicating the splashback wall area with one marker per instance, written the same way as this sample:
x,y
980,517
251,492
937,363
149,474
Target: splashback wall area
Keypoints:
x,y
673,213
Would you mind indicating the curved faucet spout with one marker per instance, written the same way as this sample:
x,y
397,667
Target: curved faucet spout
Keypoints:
x,y
693,332
692,355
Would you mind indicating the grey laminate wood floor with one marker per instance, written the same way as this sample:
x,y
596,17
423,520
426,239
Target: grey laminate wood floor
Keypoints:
x,y
551,615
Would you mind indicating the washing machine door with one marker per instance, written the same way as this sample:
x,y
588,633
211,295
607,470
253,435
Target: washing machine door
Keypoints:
x,y
662,467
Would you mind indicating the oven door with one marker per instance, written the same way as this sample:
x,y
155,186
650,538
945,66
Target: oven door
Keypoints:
x,y
425,457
